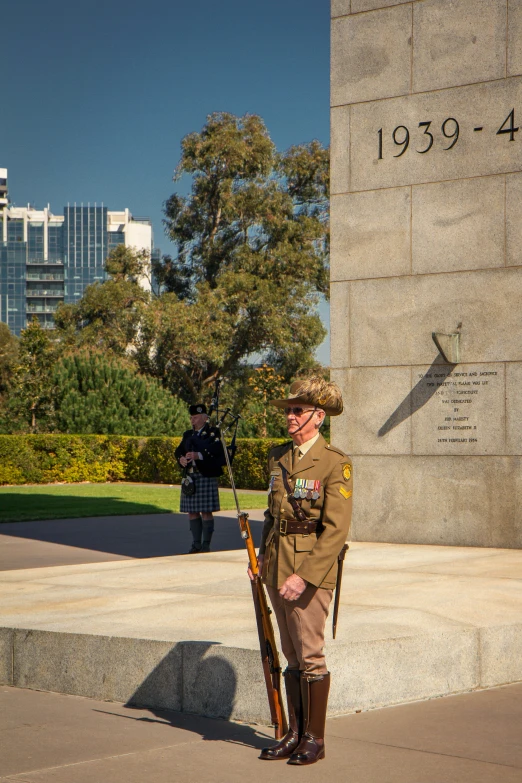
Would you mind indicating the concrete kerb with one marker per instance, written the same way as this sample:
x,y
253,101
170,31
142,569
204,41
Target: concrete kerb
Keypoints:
x,y
6,655
226,682
500,655
195,677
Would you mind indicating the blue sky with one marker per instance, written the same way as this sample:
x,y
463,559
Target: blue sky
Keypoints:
x,y
97,95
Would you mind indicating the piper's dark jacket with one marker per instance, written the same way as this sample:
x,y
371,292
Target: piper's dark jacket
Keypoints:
x,y
208,444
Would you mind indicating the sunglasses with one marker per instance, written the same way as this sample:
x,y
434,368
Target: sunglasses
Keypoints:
x,y
298,411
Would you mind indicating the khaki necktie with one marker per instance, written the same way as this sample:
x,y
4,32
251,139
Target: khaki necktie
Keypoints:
x,y
295,458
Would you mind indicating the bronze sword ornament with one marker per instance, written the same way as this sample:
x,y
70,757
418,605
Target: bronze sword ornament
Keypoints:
x,y
267,643
340,563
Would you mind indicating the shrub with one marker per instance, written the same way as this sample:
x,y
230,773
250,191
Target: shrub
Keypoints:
x,y
96,395
41,459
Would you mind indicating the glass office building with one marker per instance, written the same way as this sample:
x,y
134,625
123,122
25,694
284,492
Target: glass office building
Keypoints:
x,y
46,259
85,248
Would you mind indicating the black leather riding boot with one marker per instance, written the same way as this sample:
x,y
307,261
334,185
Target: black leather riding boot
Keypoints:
x,y
286,746
208,529
314,691
196,528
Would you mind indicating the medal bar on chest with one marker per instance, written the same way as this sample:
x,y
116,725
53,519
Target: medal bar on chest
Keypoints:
x,y
308,489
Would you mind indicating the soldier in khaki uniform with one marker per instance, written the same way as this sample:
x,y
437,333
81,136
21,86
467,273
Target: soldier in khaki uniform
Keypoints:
x,y
298,557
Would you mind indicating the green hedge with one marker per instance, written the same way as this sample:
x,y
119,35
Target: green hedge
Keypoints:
x,y
44,459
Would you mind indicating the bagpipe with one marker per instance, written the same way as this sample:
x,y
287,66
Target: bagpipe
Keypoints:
x,y
267,643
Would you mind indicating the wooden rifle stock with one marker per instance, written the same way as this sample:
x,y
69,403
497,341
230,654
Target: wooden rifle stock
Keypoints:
x,y
267,643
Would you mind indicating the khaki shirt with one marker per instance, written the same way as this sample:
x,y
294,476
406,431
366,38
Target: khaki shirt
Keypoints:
x,y
313,557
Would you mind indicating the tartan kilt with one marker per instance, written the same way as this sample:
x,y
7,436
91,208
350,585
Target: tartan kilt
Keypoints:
x,y
206,497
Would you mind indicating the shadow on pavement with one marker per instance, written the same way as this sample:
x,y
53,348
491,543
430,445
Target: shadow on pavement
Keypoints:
x,y
209,729
134,536
20,506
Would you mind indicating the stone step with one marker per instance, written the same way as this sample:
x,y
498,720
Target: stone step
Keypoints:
x,y
178,632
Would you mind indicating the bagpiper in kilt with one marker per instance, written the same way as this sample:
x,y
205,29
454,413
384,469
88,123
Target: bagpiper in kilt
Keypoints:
x,y
205,498
200,454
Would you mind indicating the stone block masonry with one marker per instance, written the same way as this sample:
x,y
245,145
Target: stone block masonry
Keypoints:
x,y
426,237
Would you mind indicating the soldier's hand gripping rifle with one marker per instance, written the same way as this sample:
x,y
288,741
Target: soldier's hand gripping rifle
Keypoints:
x,y
269,655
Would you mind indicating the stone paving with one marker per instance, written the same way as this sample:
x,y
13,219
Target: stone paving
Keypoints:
x,y
51,738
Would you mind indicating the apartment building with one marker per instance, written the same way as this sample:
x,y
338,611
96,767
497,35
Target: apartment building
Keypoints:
x,y
46,259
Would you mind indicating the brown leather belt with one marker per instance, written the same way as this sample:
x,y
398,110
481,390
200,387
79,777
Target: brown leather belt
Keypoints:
x,y
287,526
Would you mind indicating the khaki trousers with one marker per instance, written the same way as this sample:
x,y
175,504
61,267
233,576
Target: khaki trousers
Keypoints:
x,y
301,627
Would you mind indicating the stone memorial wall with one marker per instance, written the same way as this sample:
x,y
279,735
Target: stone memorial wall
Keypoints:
x,y
426,214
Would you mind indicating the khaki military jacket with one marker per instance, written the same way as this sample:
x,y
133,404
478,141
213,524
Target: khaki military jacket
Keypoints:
x,y
313,557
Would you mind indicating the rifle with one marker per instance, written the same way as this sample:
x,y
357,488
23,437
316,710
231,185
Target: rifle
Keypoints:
x,y
267,643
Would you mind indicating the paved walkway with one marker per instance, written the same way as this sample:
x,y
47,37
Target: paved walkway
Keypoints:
x,y
50,738
389,591
99,539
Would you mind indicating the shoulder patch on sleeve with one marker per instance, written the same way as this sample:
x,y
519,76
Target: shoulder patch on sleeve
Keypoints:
x,y
346,493
347,471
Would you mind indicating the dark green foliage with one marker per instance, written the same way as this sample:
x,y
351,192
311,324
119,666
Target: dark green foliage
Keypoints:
x,y
79,392
94,395
29,390
8,355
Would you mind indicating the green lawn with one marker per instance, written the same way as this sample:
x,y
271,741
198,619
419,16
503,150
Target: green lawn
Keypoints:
x,y
62,501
